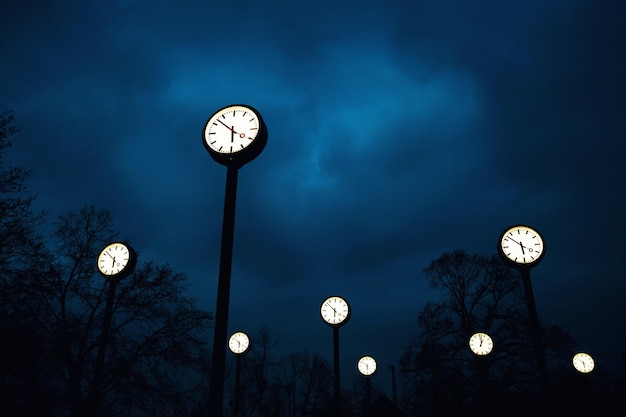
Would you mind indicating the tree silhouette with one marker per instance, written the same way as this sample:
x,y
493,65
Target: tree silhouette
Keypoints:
x,y
22,254
157,339
480,293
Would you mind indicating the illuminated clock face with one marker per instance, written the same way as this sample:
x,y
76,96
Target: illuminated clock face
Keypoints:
x,y
583,362
232,129
481,343
239,342
115,258
366,365
335,311
521,245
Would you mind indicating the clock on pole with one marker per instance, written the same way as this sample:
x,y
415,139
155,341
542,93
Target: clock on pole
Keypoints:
x,y
335,312
234,135
115,261
523,247
238,343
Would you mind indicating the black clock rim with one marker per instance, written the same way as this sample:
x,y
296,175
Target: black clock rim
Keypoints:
x,y
519,265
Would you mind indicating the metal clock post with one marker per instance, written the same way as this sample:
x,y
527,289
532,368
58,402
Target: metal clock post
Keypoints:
x,y
481,345
233,136
523,248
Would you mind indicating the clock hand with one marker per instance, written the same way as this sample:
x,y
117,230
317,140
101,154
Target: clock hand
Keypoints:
x,y
226,126
232,130
513,240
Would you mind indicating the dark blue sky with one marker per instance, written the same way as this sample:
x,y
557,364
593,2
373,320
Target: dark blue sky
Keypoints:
x,y
398,130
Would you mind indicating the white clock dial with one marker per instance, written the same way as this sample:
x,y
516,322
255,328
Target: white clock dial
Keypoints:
x,y
114,258
481,343
583,362
232,129
522,245
239,342
335,310
366,365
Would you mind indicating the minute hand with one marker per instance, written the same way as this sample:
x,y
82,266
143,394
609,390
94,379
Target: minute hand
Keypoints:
x,y
232,129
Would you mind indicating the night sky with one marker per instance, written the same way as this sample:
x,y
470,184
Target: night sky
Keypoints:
x,y
398,131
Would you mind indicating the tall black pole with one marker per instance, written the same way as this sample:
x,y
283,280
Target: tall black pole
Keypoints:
x,y
368,394
237,405
394,392
534,328
216,398
95,397
336,362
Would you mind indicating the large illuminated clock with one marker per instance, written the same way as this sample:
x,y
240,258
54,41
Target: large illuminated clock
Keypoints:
x,y
335,311
235,135
117,260
521,246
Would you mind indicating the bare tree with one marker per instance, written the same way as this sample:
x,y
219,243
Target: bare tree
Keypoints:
x,y
156,340
480,293
22,254
306,381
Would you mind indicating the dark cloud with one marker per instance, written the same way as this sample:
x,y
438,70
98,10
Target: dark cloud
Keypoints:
x,y
397,131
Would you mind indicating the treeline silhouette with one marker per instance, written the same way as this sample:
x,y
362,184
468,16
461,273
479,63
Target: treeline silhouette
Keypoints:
x,y
157,358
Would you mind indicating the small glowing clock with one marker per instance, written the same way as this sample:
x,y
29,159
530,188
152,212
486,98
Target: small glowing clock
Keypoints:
x,y
583,362
239,343
480,344
366,365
